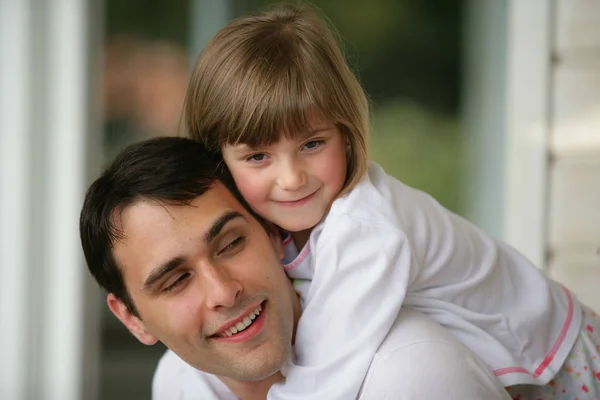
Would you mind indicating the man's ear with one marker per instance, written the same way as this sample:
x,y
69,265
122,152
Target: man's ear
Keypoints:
x,y
133,323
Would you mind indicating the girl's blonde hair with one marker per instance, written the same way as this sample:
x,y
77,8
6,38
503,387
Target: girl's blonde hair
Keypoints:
x,y
260,76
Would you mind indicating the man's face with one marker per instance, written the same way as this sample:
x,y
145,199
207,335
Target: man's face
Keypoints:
x,y
199,273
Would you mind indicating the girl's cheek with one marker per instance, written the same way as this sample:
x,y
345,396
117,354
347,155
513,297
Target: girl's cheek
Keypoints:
x,y
251,187
250,191
241,179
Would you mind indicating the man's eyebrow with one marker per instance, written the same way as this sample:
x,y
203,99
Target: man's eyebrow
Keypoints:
x,y
219,224
159,272
216,228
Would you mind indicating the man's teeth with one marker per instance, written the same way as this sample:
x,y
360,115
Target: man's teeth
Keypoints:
x,y
243,324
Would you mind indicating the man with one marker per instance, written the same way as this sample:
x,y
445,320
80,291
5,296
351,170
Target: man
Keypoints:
x,y
185,263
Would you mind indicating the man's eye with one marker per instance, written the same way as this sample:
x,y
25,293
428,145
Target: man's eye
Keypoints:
x,y
177,282
256,157
232,245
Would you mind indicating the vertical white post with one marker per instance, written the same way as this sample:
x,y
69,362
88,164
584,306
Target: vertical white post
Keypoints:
x,y
45,125
506,116
484,112
527,126
207,18
67,111
15,135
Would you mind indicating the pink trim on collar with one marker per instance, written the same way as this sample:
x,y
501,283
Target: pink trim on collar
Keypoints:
x,y
299,258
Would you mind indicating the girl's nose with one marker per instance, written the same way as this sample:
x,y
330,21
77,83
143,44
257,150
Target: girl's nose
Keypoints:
x,y
291,177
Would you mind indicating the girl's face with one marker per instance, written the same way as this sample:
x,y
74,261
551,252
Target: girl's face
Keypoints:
x,y
293,182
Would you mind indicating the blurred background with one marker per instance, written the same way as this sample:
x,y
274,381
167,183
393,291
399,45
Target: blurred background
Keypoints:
x,y
492,106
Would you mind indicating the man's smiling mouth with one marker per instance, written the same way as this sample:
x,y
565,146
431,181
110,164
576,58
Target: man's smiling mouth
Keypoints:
x,y
243,324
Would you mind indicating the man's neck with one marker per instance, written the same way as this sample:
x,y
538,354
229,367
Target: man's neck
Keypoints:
x,y
256,390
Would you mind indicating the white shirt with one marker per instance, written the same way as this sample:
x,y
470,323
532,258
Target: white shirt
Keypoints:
x,y
176,380
384,245
417,360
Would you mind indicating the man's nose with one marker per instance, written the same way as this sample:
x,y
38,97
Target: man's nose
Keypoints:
x,y
220,288
291,176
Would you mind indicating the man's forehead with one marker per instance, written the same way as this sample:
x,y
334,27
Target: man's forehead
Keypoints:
x,y
215,202
146,215
217,196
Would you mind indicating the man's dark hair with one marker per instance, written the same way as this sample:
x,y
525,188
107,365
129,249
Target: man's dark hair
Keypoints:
x,y
169,170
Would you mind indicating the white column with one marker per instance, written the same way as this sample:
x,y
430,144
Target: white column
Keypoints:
x,y
15,25
484,112
67,105
527,128
507,120
46,125
207,18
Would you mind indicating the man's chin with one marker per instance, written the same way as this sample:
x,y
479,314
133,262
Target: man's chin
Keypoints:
x,y
259,369
251,380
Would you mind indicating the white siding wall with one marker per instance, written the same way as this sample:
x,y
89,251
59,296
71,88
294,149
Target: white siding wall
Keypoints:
x,y
574,182
532,114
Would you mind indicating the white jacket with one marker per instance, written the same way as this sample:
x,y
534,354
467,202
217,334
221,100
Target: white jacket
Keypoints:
x,y
385,245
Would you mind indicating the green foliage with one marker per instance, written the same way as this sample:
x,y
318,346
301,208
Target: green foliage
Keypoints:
x,y
419,148
149,19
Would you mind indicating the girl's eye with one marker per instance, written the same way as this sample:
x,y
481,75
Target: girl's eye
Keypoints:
x,y
313,144
258,157
177,282
232,245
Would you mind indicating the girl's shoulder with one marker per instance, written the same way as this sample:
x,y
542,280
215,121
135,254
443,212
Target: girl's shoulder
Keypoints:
x,y
383,200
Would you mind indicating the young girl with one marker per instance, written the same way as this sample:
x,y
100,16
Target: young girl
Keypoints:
x,y
273,92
